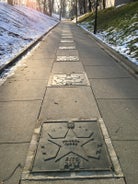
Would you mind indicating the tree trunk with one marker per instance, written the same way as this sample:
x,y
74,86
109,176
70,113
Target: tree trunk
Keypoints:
x,y
51,7
51,4
90,6
11,2
84,5
104,4
44,7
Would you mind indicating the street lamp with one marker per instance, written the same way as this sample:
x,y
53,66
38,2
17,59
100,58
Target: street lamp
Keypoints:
x,y
95,21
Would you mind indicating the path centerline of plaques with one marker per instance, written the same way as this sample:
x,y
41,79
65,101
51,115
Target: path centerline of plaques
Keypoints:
x,y
70,149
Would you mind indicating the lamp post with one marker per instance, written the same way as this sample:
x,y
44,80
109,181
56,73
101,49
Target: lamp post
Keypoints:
x,y
95,21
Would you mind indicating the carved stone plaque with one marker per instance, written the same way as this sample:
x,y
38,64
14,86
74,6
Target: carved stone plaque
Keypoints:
x,y
68,80
67,47
66,41
66,37
71,146
66,34
67,58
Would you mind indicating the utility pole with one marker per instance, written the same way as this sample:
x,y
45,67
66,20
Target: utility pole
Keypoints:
x,y
96,12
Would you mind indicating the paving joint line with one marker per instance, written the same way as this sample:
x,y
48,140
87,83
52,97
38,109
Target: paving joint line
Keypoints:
x,y
96,101
109,78
42,100
15,142
135,140
28,100
117,98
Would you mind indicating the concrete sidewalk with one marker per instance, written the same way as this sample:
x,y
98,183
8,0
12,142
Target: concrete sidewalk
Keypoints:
x,y
31,97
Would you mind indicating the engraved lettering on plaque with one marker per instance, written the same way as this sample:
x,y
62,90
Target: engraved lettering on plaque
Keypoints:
x,y
72,163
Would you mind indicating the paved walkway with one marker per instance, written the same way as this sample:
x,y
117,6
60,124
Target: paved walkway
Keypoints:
x,y
29,98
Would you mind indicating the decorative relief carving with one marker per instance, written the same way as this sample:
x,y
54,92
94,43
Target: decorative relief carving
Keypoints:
x,y
67,58
67,47
71,146
68,79
67,41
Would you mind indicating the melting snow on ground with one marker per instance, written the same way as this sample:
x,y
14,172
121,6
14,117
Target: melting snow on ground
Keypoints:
x,y
19,27
121,46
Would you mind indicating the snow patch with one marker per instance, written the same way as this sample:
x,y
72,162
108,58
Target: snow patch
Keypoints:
x,y
19,27
115,39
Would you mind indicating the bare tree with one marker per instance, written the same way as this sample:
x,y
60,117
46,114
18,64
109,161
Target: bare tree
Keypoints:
x,y
52,6
39,4
81,7
90,5
46,6
104,4
11,2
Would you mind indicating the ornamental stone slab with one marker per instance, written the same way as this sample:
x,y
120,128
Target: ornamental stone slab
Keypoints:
x,y
66,37
68,80
67,58
71,146
66,34
66,41
67,47
62,149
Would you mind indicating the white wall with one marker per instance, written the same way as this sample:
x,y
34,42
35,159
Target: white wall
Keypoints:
x,y
110,3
